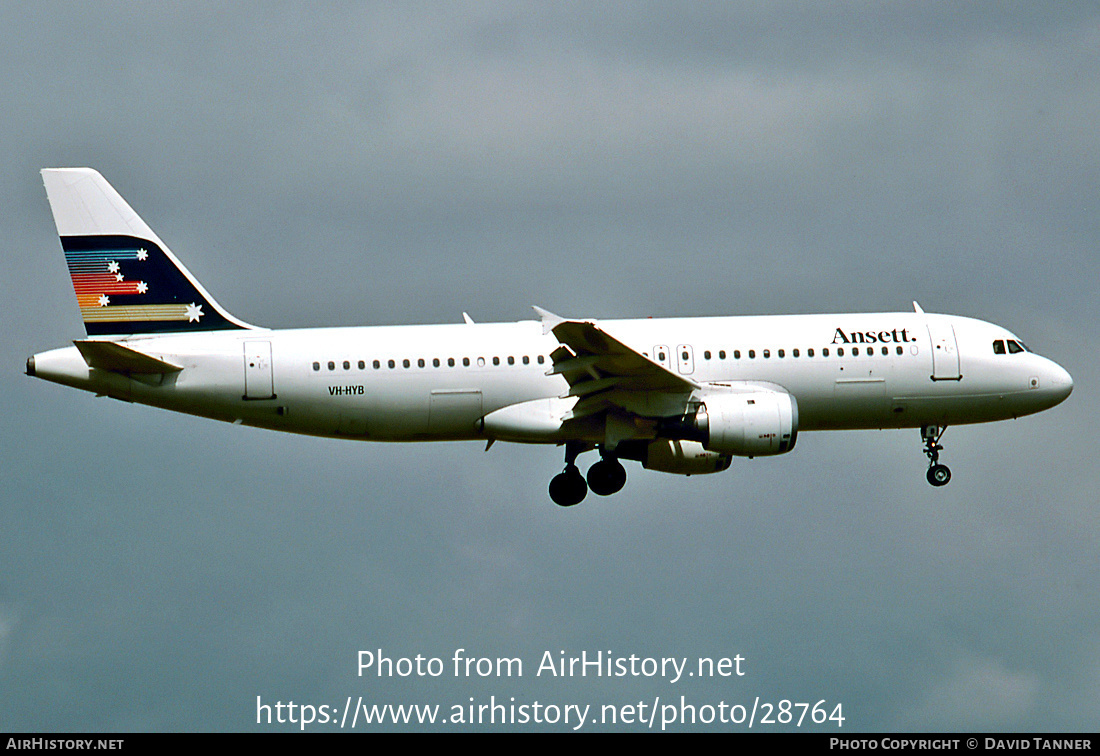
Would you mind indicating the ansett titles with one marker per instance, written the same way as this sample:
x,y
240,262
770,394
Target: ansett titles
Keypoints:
x,y
346,390
872,337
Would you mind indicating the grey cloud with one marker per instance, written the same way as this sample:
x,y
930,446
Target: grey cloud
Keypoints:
x,y
375,163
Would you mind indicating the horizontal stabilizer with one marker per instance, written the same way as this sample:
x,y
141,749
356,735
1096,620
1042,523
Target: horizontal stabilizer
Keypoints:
x,y
109,355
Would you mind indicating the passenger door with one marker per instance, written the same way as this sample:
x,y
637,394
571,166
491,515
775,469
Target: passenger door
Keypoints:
x,y
259,382
945,352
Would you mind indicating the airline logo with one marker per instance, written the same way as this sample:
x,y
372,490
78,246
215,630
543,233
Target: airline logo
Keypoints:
x,y
100,274
895,336
124,284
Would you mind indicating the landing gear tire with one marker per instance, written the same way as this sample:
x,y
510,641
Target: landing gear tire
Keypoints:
x,y
939,475
568,488
606,477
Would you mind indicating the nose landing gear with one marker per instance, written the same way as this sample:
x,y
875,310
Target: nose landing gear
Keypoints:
x,y
938,475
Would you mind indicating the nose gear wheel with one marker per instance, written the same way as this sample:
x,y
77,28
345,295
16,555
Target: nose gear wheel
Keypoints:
x,y
938,475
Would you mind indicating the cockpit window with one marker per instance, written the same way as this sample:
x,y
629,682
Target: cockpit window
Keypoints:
x,y
1014,347
999,346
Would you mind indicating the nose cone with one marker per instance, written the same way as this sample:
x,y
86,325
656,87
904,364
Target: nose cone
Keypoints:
x,y
1060,383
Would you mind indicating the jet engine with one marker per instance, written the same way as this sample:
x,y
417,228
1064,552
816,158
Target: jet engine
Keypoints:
x,y
759,422
751,424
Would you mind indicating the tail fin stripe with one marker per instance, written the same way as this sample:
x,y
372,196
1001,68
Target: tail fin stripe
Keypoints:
x,y
141,313
99,283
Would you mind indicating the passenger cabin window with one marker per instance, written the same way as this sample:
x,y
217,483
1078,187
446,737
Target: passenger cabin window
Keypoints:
x,y
316,365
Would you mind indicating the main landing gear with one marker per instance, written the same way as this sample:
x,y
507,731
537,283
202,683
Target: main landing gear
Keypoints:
x,y
607,476
569,488
938,475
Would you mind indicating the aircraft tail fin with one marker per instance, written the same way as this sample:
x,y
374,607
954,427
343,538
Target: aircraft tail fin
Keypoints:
x,y
126,279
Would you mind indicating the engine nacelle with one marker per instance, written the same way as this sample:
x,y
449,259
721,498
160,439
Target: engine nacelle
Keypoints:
x,y
681,457
751,424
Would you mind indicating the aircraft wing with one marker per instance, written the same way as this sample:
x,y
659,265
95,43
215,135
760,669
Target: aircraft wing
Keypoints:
x,y
604,371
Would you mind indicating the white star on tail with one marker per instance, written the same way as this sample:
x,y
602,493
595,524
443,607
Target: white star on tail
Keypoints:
x,y
104,300
118,276
142,254
142,287
112,267
194,312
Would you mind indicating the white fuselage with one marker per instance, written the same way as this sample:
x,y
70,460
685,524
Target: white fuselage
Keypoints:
x,y
435,382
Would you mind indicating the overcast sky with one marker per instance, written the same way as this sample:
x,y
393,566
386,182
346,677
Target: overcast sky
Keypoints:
x,y
375,163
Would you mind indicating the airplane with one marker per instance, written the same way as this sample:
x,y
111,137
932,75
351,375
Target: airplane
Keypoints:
x,y
679,395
